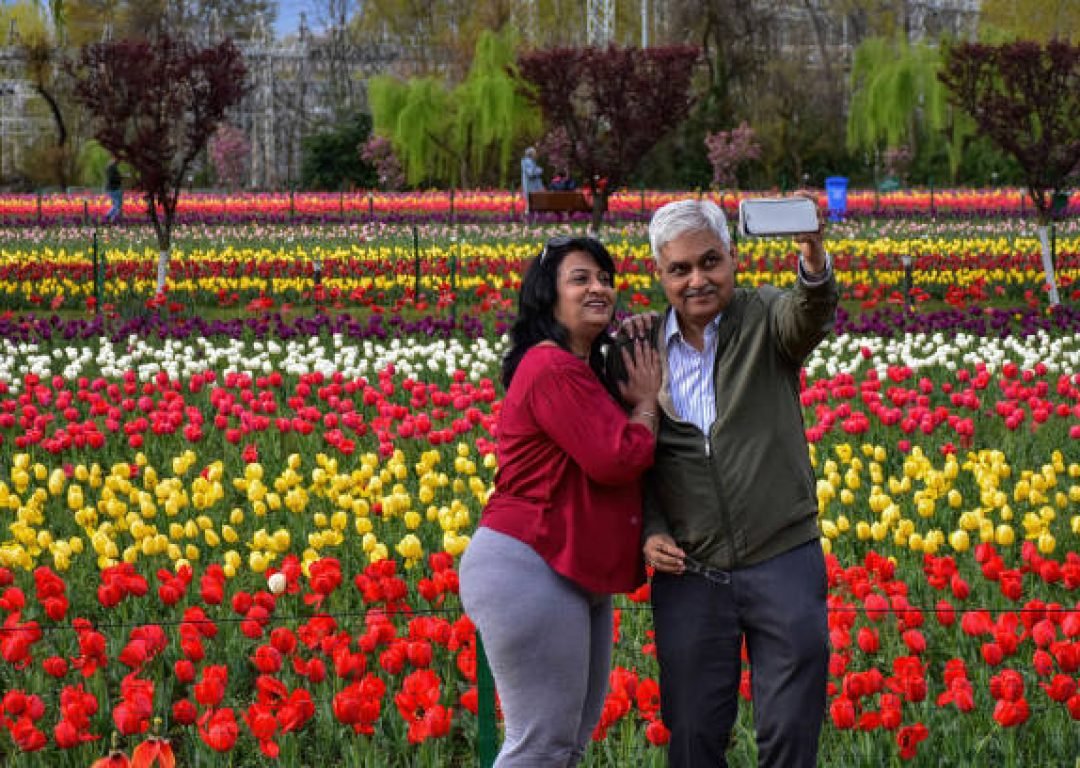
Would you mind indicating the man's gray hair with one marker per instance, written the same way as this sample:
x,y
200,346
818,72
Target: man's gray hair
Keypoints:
x,y
675,219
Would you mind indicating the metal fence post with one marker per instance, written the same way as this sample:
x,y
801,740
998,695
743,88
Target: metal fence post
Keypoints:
x,y
416,262
99,275
485,708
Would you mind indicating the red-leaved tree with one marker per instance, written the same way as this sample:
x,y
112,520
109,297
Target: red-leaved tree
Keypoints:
x,y
614,105
154,105
1026,98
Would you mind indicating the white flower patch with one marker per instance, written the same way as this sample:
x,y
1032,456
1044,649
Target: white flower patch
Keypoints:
x,y
412,357
845,354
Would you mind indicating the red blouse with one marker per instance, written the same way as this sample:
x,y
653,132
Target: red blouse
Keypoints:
x,y
569,478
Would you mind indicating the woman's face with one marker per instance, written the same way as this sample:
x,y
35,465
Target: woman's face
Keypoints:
x,y
586,302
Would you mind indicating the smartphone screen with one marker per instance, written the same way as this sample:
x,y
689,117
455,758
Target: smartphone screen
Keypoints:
x,y
762,217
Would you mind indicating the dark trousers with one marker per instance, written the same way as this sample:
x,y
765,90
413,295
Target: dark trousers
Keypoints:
x,y
779,607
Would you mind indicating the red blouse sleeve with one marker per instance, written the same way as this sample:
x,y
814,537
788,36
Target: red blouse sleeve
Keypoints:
x,y
573,408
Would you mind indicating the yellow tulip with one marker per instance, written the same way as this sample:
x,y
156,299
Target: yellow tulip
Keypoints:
x,y
455,544
959,541
57,481
1047,543
258,562
280,541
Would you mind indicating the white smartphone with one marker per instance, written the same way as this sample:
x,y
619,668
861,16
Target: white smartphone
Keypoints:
x,y
764,216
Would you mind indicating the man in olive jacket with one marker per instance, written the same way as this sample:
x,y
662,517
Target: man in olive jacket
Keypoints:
x,y
730,504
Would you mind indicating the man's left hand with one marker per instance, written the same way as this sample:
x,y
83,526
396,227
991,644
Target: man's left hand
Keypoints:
x,y
812,245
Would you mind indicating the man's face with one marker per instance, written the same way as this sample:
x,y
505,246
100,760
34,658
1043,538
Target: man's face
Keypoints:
x,y
697,273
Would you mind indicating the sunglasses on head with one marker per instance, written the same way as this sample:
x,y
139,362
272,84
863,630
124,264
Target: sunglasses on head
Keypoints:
x,y
556,242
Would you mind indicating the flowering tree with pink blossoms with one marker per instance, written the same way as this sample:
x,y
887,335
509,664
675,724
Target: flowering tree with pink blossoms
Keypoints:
x,y
230,152
378,152
728,150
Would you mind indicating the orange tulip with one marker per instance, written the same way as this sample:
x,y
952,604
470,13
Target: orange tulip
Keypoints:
x,y
153,751
115,759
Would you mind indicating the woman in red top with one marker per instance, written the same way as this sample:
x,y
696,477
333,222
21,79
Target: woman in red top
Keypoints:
x,y
561,532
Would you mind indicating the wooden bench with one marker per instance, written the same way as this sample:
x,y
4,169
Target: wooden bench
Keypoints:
x,y
551,201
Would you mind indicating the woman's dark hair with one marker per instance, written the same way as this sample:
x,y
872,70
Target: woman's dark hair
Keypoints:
x,y
540,293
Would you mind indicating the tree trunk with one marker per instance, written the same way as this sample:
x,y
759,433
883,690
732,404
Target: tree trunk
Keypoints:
x,y
1048,263
163,229
162,271
599,205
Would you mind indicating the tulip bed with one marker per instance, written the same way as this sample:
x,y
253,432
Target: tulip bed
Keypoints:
x,y
472,270
491,204
234,539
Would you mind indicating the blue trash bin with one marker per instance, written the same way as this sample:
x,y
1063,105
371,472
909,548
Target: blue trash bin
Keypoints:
x,y
836,194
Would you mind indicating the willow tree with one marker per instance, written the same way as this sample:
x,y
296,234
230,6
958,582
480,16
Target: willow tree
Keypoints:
x,y
492,114
458,135
1025,98
415,116
897,99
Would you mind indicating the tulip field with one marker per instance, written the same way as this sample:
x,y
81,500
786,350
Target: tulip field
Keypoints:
x,y
232,513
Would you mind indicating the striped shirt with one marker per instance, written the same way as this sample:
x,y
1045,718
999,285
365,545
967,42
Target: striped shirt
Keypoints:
x,y
692,373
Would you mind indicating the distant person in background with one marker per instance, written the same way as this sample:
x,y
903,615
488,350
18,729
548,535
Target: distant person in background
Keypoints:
x,y
562,182
532,175
114,188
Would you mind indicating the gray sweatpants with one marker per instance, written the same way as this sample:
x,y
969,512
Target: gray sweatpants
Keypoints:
x,y
549,646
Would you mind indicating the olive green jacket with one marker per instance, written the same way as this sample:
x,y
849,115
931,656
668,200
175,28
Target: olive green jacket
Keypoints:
x,y
746,491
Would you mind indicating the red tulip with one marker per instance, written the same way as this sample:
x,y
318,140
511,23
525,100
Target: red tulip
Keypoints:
x,y
657,733
211,689
1061,688
1009,714
868,640
842,712
218,729
1073,705
908,739
184,712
